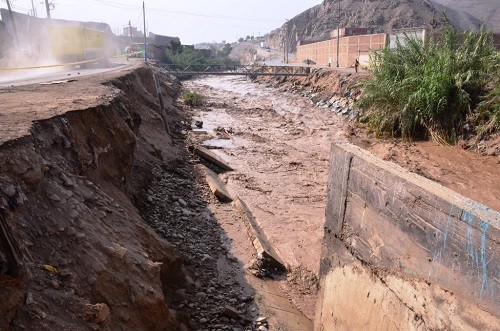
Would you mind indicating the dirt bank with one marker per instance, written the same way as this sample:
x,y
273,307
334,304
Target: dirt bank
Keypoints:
x,y
88,174
79,254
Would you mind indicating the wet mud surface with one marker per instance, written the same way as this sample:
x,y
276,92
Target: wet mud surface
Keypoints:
x,y
279,143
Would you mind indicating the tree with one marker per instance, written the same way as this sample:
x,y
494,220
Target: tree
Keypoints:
x,y
186,56
226,50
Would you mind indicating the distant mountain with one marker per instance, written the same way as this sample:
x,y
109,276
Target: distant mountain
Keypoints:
x,y
318,22
487,11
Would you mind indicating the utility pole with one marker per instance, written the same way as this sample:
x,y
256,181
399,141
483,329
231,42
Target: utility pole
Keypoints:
x,y
47,7
130,31
33,7
145,38
338,35
13,23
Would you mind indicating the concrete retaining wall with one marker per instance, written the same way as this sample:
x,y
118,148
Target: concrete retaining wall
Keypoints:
x,y
403,252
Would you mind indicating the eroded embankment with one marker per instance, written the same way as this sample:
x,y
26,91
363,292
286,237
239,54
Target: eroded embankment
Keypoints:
x,y
74,251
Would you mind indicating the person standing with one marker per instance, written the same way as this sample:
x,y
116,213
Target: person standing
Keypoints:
x,y
356,65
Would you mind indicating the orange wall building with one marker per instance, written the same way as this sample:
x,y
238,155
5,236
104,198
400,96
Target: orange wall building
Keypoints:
x,y
350,48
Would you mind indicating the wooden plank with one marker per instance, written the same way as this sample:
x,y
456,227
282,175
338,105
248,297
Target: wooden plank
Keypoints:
x,y
216,185
258,237
211,157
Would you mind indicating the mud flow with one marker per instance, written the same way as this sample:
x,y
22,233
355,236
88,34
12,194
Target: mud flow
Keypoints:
x,y
277,134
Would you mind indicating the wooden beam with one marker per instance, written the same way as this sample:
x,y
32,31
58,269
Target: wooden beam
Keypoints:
x,y
211,157
258,237
216,185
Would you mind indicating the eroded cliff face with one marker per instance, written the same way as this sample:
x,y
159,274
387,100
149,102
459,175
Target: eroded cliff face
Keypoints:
x,y
74,251
320,21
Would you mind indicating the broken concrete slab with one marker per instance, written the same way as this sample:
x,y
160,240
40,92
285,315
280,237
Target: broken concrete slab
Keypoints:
x,y
216,185
258,237
211,157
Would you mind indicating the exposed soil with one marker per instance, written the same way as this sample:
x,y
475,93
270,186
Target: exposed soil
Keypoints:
x,y
113,226
75,250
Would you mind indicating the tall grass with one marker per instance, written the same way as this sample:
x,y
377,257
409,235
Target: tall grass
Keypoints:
x,y
487,114
419,90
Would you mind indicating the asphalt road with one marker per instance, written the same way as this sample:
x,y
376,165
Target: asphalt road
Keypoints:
x,y
48,75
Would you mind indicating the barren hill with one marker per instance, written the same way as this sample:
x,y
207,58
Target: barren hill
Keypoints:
x,y
487,11
319,21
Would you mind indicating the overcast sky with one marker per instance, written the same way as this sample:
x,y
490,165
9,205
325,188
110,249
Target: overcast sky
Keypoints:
x,y
193,21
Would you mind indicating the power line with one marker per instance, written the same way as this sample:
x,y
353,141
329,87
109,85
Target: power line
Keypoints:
x,y
214,23
220,16
155,9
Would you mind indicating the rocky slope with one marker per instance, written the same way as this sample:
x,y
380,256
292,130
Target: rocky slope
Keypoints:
x,y
487,11
318,22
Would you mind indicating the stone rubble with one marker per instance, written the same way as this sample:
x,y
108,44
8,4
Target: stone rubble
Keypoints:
x,y
178,212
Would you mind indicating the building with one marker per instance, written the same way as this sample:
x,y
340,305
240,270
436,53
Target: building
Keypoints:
x,y
346,32
132,31
160,44
353,43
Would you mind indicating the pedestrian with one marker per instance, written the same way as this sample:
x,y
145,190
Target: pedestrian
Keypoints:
x,y
356,65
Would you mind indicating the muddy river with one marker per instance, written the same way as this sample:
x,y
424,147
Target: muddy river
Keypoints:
x,y
279,144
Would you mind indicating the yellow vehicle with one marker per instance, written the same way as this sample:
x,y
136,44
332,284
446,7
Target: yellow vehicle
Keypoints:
x,y
76,43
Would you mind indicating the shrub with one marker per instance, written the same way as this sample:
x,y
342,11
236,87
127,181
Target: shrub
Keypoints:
x,y
487,114
192,99
419,90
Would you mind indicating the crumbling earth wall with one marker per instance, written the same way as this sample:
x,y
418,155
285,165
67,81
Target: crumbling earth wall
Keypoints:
x,y
75,253
401,252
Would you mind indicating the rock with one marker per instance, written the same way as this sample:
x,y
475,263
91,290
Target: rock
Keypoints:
x,y
81,235
109,250
21,198
182,202
91,280
230,312
96,313
54,197
29,299
201,296
73,213
9,190
262,328
65,273
198,124
261,320
71,232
